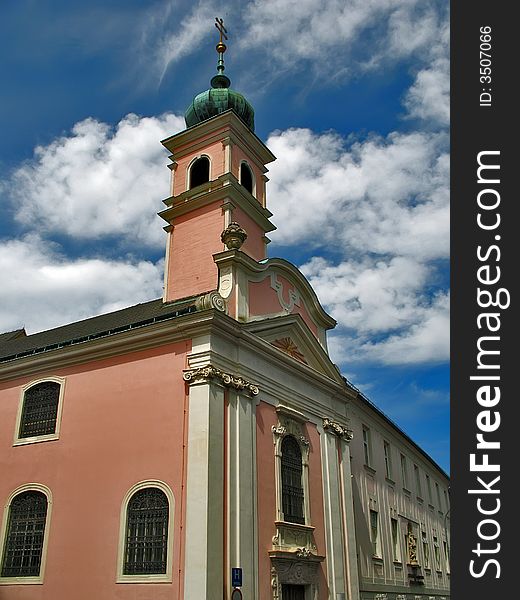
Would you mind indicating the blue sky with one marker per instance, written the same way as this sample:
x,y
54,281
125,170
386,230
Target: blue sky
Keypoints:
x,y
352,97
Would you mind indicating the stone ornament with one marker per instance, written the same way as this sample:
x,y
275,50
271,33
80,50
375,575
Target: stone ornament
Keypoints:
x,y
211,300
233,236
227,379
337,429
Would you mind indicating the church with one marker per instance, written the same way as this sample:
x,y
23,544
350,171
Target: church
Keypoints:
x,y
203,445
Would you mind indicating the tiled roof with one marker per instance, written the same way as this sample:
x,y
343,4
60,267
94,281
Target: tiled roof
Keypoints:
x,y
15,344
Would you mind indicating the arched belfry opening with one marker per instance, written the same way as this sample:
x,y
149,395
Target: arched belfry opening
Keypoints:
x,y
199,172
246,177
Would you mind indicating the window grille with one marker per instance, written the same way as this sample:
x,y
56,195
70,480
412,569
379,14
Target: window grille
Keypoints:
x,y
146,533
40,409
292,489
25,534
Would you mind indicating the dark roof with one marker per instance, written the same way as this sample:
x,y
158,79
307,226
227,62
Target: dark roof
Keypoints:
x,y
16,344
11,335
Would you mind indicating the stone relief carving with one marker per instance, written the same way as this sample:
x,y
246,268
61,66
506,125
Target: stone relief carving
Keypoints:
x,y
342,431
286,345
227,379
412,548
381,597
294,296
287,426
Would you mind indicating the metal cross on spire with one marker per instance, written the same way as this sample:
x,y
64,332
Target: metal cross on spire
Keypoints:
x,y
219,24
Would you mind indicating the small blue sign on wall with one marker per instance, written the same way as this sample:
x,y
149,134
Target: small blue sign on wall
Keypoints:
x,y
236,577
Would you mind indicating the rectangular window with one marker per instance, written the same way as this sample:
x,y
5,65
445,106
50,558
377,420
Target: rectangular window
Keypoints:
x,y
446,503
426,550
404,471
374,533
429,487
418,486
395,540
446,555
366,446
436,553
438,492
388,459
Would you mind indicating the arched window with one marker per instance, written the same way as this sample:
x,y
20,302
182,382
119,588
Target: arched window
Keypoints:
x,y
199,172
292,487
246,177
38,415
146,538
25,535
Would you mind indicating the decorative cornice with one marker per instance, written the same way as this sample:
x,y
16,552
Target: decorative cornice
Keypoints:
x,y
337,429
227,379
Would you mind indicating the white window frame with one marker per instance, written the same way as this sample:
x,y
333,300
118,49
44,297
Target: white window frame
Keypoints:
x,y
28,487
189,167
376,544
387,451
17,440
155,577
404,471
367,446
287,426
396,541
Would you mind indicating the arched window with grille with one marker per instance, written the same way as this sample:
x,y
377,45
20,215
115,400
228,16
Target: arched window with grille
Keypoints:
x,y
24,535
292,485
246,177
199,172
39,411
146,536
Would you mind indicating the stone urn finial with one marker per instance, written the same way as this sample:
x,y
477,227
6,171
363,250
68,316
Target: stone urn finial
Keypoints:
x,y
233,236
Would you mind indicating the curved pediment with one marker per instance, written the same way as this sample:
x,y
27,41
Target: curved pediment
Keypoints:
x,y
271,288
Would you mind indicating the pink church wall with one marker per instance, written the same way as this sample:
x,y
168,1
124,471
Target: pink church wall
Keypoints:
x,y
254,244
216,155
266,417
238,155
263,300
195,238
97,459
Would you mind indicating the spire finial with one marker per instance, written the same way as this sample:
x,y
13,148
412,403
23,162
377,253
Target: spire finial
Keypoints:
x,y
220,80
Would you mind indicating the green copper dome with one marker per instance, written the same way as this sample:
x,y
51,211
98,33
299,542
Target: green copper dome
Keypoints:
x,y
214,101
219,98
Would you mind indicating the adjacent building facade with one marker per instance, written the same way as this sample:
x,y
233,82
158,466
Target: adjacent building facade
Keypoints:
x,y
147,452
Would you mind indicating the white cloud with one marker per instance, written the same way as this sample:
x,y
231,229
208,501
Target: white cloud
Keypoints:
x,y
385,310
99,181
386,196
42,289
429,96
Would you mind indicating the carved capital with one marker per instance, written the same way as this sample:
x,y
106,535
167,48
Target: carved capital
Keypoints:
x,y
226,379
303,553
338,429
211,300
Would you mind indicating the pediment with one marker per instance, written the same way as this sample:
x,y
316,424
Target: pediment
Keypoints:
x,y
289,334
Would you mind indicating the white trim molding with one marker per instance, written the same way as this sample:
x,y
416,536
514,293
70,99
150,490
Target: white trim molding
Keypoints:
x,y
17,440
27,487
156,577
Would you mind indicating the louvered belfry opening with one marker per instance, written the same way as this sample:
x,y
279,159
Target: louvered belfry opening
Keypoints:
x,y
146,533
199,172
40,409
25,535
292,488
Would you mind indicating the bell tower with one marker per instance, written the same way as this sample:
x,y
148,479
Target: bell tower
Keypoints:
x,y
218,180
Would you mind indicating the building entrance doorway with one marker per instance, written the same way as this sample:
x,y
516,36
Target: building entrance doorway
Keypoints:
x,y
293,592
